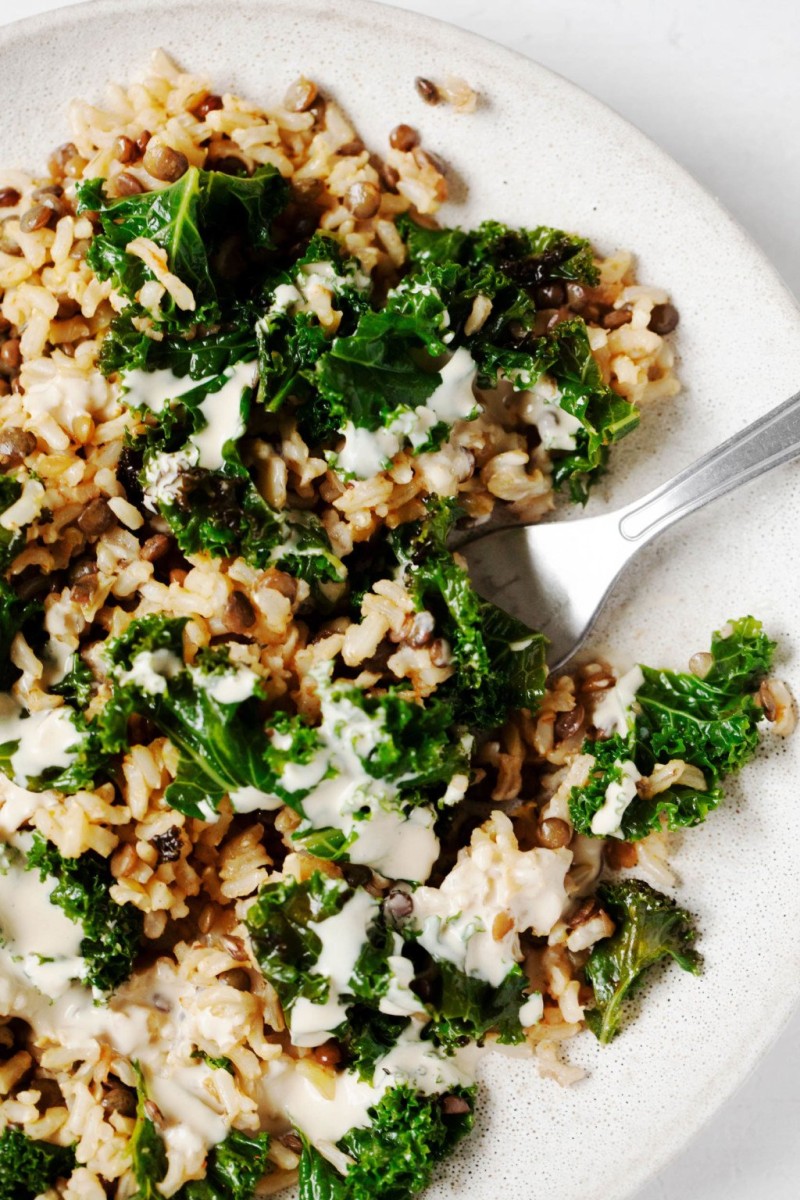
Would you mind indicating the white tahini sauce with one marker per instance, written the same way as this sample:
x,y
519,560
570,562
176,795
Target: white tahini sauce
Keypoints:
x,y
540,407
40,944
222,412
493,893
343,937
366,452
337,791
45,739
614,712
151,671
607,821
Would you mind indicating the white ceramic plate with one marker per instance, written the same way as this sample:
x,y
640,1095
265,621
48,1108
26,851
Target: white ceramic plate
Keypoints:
x,y
538,150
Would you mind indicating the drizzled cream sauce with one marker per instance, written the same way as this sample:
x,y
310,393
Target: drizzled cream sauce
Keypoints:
x,y
366,452
46,739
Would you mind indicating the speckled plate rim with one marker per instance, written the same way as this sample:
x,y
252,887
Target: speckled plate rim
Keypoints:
x,y
25,35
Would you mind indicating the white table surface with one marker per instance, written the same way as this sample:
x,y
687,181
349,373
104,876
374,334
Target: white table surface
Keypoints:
x,y
716,83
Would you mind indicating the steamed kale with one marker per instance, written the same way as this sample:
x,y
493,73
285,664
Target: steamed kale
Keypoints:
x,y
28,1167
710,723
10,492
501,662
112,933
467,1008
394,1157
218,750
233,1169
189,220
146,1147
649,927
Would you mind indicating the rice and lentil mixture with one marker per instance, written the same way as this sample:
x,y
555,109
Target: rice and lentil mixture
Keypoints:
x,y
293,822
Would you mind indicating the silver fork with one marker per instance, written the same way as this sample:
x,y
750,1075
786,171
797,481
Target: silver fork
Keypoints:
x,y
557,576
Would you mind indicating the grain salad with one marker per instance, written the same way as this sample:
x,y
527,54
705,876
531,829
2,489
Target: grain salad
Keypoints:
x,y
295,827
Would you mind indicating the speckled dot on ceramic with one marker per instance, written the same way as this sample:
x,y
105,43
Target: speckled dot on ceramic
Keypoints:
x,y
539,150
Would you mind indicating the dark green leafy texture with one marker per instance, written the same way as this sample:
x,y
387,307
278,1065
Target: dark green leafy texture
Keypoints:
x,y
29,1167
711,723
222,746
10,492
501,661
112,932
395,1156
649,927
418,748
189,220
221,512
147,1149
126,348
468,1008
15,615
290,344
233,1169
89,760
286,948
508,266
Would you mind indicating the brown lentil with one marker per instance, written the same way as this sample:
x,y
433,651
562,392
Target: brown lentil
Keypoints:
x,y
239,613
568,723
391,177
617,318
398,904
15,445
427,89
236,978
404,138
96,518
155,547
292,1142
329,1054
120,1099
164,163
9,197
10,355
126,184
60,159
620,855
350,149
701,663
553,833
125,149
587,910
551,295
300,95
421,631
663,319
35,218
210,103
454,1105
363,200
142,140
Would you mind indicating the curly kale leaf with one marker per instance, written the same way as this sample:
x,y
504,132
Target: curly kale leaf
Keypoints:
x,y
394,1157
290,339
29,1167
87,758
501,661
15,615
233,1169
220,511
680,806
508,267
649,927
417,747
286,948
126,348
112,933
189,220
467,1008
147,1149
710,723
222,745
531,257
10,539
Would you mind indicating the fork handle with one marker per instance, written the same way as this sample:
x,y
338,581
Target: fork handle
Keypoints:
x,y
771,440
